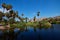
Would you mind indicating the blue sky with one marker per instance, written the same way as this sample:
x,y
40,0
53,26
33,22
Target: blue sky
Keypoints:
x,y
47,8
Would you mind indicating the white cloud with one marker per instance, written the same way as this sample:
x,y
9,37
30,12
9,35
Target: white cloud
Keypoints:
x,y
4,10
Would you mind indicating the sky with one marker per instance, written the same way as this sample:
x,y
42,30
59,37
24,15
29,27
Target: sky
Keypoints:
x,y
47,8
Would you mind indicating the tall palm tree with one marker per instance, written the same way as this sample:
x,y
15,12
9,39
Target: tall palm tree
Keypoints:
x,y
1,16
26,29
8,7
22,14
20,19
16,12
12,13
26,19
34,18
16,15
4,6
38,14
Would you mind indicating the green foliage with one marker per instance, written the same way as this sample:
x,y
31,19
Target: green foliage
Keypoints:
x,y
57,22
32,24
12,25
44,24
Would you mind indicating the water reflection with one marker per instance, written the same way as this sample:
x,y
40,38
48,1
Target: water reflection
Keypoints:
x,y
32,33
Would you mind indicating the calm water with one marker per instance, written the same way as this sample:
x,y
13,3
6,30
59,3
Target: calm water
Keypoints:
x,y
43,34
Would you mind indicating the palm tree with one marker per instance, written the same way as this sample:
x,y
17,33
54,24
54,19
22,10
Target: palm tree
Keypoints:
x,y
26,19
22,14
16,12
5,21
11,11
8,7
4,6
12,14
38,13
20,19
11,20
34,18
7,15
1,16
16,15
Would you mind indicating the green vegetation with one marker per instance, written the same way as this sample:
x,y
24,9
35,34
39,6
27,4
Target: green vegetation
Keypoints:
x,y
11,15
9,22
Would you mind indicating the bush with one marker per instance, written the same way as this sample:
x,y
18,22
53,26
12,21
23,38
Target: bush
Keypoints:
x,y
45,24
57,22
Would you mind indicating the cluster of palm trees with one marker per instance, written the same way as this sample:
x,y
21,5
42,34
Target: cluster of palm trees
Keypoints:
x,y
8,7
11,15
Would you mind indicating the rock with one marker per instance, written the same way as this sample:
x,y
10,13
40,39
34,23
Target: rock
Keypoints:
x,y
2,28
